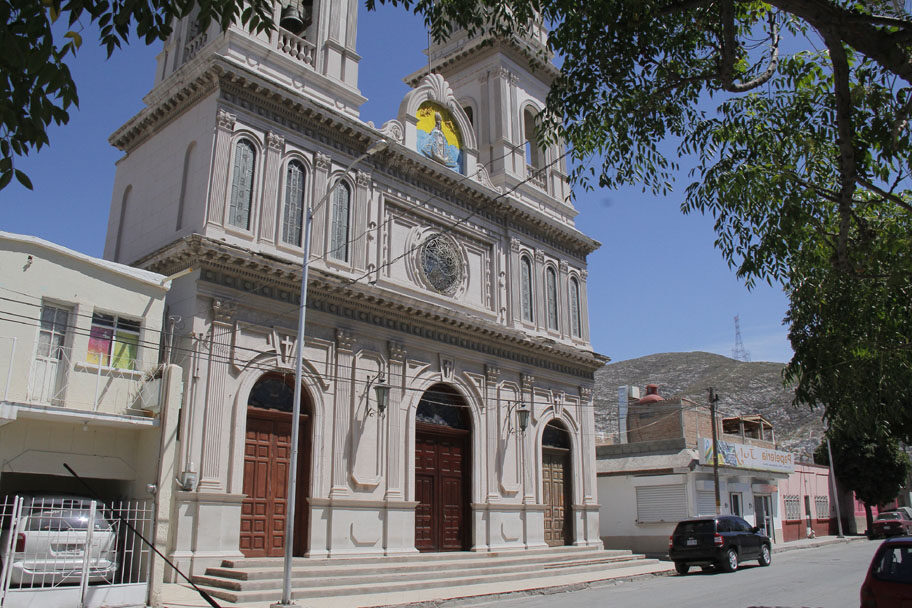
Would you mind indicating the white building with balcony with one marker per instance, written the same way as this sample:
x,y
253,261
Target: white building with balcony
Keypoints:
x,y
80,373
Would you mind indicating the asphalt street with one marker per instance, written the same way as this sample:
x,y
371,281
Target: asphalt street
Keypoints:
x,y
824,577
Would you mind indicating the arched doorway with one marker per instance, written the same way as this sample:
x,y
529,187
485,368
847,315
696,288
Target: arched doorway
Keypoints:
x,y
557,484
443,471
267,454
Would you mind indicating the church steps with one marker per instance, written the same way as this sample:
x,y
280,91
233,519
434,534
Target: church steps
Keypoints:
x,y
264,584
266,578
271,567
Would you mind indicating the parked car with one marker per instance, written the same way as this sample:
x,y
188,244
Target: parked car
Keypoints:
x,y
889,580
891,523
721,541
47,545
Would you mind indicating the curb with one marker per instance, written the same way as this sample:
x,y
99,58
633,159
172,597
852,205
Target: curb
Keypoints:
x,y
813,544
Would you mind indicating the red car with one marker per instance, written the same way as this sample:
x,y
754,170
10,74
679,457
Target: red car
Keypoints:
x,y
889,580
891,523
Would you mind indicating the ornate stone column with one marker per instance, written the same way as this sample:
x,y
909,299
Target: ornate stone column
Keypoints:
x,y
216,419
539,297
359,218
322,165
396,452
584,305
492,378
563,298
527,388
342,413
587,443
269,218
218,189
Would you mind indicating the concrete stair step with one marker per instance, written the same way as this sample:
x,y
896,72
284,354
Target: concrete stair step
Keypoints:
x,y
342,568
364,576
270,590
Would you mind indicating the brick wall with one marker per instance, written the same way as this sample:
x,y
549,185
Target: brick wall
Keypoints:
x,y
653,422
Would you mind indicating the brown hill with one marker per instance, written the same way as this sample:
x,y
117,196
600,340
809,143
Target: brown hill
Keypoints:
x,y
743,388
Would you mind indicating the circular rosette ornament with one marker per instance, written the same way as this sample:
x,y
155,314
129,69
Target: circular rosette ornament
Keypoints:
x,y
441,263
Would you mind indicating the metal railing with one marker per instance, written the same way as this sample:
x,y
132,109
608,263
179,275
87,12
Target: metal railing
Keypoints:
x,y
63,541
65,377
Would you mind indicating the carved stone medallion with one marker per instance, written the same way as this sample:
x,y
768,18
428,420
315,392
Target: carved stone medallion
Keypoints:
x,y
441,263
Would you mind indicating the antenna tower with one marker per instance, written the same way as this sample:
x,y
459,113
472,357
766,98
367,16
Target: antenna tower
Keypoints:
x,y
739,353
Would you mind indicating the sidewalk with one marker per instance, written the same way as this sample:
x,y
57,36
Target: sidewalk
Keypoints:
x,y
183,596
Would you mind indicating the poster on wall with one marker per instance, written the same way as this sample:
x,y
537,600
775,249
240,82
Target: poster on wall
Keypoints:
x,y
743,456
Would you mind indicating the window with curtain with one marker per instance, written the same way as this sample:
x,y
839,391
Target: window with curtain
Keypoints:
x,y
341,212
293,215
525,286
242,185
575,321
551,287
113,341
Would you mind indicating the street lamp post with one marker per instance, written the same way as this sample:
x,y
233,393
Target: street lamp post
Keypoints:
x,y
286,601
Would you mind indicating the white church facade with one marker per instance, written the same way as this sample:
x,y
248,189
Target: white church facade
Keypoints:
x,y
447,265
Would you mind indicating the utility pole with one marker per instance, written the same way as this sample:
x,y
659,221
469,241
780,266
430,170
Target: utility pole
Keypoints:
x,y
713,398
835,491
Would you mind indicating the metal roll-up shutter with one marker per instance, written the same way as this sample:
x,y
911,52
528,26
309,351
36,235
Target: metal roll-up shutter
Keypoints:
x,y
661,503
706,503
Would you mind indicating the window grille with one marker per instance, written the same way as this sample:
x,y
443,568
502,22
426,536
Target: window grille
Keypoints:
x,y
341,207
822,507
242,185
52,335
575,321
113,341
294,204
551,284
526,288
792,506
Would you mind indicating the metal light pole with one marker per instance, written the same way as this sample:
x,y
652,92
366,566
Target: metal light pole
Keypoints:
x,y
286,601
713,398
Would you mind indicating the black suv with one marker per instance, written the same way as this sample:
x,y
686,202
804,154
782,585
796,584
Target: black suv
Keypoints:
x,y
720,540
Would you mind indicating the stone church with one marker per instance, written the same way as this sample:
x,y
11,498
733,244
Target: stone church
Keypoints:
x,y
445,263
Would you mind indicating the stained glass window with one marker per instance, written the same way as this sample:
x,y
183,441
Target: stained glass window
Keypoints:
x,y
294,204
242,185
551,286
341,211
525,280
575,325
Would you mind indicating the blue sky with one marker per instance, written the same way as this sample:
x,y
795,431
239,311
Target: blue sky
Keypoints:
x,y
656,285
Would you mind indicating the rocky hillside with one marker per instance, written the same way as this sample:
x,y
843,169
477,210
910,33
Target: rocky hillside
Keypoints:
x,y
743,388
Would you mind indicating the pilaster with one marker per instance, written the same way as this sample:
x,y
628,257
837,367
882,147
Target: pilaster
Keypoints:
x,y
322,165
539,297
359,218
213,475
394,413
275,146
224,127
529,462
584,305
492,378
563,298
342,412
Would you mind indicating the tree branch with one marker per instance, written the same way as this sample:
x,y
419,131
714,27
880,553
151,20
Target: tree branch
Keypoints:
x,y
729,44
864,181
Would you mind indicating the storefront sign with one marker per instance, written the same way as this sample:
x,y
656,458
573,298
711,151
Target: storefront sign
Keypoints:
x,y
747,456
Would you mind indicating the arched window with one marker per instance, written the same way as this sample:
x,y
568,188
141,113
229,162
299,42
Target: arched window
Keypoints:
x,y
551,288
533,148
242,185
575,325
341,212
525,288
293,213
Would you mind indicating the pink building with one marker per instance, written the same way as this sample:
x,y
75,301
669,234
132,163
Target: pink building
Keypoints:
x,y
806,503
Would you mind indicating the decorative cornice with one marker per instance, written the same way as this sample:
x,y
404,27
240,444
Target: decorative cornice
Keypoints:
x,y
232,267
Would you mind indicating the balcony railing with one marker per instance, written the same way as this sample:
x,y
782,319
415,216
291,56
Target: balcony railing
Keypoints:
x,y
295,47
193,46
65,377
537,177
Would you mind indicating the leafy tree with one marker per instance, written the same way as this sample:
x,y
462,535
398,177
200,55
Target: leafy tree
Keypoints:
x,y
36,88
868,462
796,116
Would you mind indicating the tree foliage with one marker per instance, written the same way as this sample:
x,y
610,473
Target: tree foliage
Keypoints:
x,y
36,87
870,463
794,115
